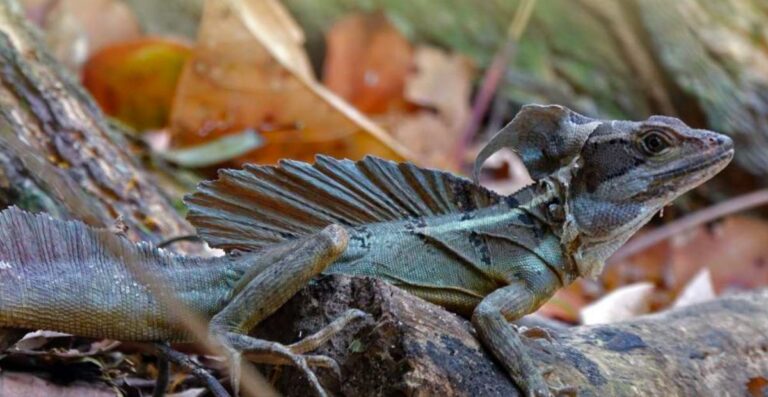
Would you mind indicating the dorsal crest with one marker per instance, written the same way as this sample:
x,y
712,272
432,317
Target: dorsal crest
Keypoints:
x,y
259,205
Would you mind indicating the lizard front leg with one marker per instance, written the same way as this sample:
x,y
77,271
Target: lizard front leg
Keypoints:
x,y
491,319
265,292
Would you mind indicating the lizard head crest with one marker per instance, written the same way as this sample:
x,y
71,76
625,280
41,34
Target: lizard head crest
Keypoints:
x,y
546,137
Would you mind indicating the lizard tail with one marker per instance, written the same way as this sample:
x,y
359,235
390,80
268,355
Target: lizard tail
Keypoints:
x,y
35,243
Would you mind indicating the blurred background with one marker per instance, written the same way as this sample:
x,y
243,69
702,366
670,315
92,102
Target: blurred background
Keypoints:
x,y
200,85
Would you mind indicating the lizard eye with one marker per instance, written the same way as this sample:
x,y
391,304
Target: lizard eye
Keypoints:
x,y
654,142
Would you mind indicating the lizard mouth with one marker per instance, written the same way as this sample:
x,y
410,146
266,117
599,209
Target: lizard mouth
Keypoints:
x,y
706,161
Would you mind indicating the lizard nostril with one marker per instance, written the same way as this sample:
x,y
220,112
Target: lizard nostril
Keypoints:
x,y
715,141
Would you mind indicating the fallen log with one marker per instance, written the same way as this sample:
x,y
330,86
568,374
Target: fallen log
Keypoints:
x,y
411,347
58,153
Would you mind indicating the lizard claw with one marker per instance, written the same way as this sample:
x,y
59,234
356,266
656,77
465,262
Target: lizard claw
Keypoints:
x,y
536,333
235,360
324,362
269,353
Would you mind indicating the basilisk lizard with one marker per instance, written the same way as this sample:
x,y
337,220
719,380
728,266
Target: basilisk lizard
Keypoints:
x,y
436,235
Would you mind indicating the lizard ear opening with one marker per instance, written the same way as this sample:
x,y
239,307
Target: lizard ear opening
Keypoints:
x,y
546,137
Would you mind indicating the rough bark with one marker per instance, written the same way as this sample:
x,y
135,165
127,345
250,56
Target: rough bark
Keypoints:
x,y
411,347
57,151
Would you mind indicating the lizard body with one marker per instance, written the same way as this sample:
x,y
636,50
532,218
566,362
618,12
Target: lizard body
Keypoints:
x,y
434,234
79,279
456,260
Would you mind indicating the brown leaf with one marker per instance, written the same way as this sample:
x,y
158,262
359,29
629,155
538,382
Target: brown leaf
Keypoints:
x,y
419,94
509,172
441,86
249,71
367,63
566,304
734,251
135,81
757,386
20,384
443,82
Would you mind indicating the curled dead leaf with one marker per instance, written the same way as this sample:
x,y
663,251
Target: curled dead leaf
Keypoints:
x,y
249,71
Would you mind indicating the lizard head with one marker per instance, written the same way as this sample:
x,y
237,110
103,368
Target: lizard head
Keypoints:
x,y
627,171
615,175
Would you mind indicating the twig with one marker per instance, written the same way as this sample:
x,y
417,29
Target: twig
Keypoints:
x,y
736,204
185,362
493,75
173,240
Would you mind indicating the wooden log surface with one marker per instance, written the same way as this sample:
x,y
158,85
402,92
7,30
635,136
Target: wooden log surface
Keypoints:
x,y
58,153
411,347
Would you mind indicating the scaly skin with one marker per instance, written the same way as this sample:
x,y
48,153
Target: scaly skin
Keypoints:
x,y
433,234
61,276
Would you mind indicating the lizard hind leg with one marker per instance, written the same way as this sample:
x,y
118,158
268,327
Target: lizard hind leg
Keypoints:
x,y
266,291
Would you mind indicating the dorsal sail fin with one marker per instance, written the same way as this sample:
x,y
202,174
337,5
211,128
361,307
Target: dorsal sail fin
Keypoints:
x,y
259,205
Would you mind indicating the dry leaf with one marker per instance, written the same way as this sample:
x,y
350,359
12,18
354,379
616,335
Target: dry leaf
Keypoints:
x,y
699,289
35,340
367,62
249,71
443,82
566,304
649,265
76,28
21,384
441,85
135,81
419,94
734,251
32,342
214,151
757,386
509,172
620,304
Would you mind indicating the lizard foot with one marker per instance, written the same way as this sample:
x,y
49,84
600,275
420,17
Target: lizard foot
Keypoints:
x,y
182,360
267,352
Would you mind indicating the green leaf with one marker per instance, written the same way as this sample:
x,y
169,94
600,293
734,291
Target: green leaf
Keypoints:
x,y
214,152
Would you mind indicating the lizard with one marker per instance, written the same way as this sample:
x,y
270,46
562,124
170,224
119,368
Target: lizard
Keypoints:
x,y
439,236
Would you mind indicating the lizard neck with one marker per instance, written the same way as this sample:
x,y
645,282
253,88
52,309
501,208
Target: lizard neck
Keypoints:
x,y
563,212
548,202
